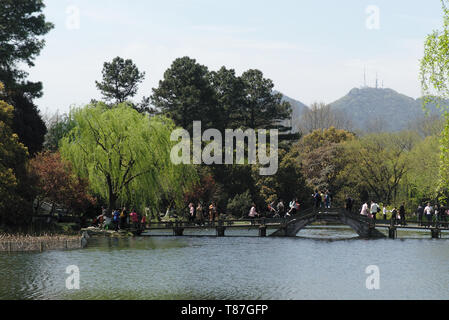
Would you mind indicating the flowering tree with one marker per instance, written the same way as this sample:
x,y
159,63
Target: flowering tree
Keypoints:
x,y
58,184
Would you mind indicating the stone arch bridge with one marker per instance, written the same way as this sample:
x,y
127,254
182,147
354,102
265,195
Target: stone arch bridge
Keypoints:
x,y
362,225
365,227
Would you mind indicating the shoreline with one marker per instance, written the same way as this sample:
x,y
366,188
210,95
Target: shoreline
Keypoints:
x,y
21,243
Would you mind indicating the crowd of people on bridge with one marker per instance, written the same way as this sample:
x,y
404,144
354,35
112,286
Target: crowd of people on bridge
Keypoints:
x,y
322,199
275,209
197,214
426,214
279,210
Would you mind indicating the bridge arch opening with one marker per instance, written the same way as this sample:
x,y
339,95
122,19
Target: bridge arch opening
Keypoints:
x,y
361,225
329,231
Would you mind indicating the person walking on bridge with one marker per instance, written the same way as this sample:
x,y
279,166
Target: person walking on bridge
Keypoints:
x,y
199,214
445,216
253,213
349,203
385,211
322,197
428,212
281,209
328,199
297,206
374,210
143,221
317,198
191,212
437,213
394,216
294,207
364,211
420,213
402,214
212,212
272,212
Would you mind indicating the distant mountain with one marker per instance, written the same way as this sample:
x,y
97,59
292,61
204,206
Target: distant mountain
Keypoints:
x,y
297,106
298,109
375,109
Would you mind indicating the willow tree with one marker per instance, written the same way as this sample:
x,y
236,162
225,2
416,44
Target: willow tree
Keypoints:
x,y
125,155
435,84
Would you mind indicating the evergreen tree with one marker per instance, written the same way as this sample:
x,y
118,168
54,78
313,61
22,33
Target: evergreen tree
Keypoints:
x,y
22,25
28,123
15,199
263,108
229,96
185,94
121,79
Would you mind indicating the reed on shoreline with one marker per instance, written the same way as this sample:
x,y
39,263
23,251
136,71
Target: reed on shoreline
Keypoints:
x,y
27,243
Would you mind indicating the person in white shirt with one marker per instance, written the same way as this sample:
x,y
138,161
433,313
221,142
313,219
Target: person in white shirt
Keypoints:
x,y
374,209
428,213
253,213
385,212
364,211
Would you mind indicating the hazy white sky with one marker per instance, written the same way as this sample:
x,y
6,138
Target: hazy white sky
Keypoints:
x,y
312,50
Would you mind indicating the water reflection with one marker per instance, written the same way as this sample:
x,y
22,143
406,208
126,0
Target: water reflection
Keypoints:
x,y
321,263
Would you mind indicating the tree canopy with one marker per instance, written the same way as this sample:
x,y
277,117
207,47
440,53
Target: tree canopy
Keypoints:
x,y
229,96
186,95
125,155
22,25
121,80
321,156
13,156
58,184
219,99
435,84
28,123
423,176
377,164
58,128
263,107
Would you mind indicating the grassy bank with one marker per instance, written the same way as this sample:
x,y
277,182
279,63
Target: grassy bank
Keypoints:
x,y
26,243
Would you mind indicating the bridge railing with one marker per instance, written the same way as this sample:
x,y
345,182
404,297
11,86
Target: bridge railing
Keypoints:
x,y
215,223
424,223
232,222
286,221
441,224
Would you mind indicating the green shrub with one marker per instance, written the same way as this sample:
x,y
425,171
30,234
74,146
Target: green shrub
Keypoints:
x,y
240,205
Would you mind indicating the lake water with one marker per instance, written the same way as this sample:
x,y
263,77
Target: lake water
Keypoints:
x,y
321,263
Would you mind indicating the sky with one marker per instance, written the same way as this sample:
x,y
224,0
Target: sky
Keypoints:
x,y
312,50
